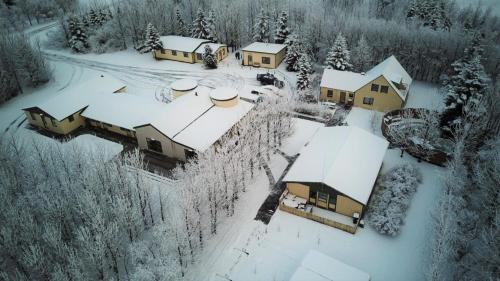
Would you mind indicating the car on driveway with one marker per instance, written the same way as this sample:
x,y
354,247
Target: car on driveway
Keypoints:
x,y
270,79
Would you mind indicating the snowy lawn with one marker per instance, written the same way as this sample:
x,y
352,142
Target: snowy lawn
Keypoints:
x,y
368,120
277,165
426,95
303,132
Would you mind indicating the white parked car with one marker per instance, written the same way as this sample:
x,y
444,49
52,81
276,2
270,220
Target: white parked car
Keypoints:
x,y
330,105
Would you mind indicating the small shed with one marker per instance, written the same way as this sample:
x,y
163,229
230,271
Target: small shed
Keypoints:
x,y
182,86
266,55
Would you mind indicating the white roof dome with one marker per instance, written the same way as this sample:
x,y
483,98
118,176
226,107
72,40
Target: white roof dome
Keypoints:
x,y
223,93
184,85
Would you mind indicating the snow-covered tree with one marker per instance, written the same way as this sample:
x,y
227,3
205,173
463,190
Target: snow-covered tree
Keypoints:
x,y
261,28
78,37
94,18
432,13
212,30
152,41
200,26
208,57
282,30
339,55
465,89
362,55
294,52
305,69
180,25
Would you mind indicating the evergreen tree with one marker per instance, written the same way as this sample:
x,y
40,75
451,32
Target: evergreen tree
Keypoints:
x,y
152,41
180,27
94,18
200,26
78,38
464,90
339,56
294,51
432,13
212,31
362,55
208,58
282,30
261,28
305,69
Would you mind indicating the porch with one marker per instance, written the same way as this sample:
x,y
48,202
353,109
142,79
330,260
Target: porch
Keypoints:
x,y
298,206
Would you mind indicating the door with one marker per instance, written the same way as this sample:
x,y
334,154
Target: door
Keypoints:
x,y
342,97
250,59
322,200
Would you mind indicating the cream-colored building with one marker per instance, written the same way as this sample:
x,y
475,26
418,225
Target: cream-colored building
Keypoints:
x,y
182,87
190,124
336,172
265,55
384,88
187,49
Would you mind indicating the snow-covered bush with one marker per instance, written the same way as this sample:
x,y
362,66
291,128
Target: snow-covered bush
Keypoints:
x,y
392,198
208,58
106,39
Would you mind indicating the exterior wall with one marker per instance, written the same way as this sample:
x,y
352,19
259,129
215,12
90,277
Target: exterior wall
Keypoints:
x,y
381,101
62,127
121,90
336,95
275,59
169,148
112,128
179,57
347,206
226,103
220,54
176,94
298,189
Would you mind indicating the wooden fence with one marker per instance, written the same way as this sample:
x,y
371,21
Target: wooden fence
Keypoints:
x,y
304,214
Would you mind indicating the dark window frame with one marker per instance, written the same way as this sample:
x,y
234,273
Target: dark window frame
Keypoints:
x,y
162,51
264,59
71,118
324,199
174,52
368,100
185,54
375,87
154,145
199,56
329,93
384,89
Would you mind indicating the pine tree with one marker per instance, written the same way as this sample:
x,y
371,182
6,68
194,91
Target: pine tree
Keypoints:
x,y
261,28
78,39
104,16
339,56
94,18
200,27
294,51
282,30
152,41
432,13
180,27
212,31
464,90
208,58
362,55
305,69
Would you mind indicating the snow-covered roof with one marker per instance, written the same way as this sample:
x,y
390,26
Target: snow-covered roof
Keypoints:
x,y
319,267
394,72
123,110
390,69
184,85
212,125
73,99
213,46
345,158
260,47
183,44
342,80
223,93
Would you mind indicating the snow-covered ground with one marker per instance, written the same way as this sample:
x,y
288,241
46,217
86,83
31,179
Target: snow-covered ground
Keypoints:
x,y
426,95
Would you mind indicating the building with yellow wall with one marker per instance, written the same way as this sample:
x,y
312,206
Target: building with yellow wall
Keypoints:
x,y
265,55
187,49
384,88
337,170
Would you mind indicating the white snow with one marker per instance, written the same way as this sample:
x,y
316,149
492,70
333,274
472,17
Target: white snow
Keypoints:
x,y
342,80
303,131
223,93
183,44
92,145
268,48
347,159
77,97
184,85
425,95
317,266
213,46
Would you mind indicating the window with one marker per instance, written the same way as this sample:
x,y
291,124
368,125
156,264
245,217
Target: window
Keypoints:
x,y
154,145
185,54
368,101
199,56
162,51
374,88
329,93
174,53
384,89
351,95
71,118
322,197
53,121
266,60
312,194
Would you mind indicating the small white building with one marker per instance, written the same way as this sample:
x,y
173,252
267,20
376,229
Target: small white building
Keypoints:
x,y
182,87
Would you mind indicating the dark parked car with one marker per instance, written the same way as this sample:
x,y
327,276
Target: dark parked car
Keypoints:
x,y
269,79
